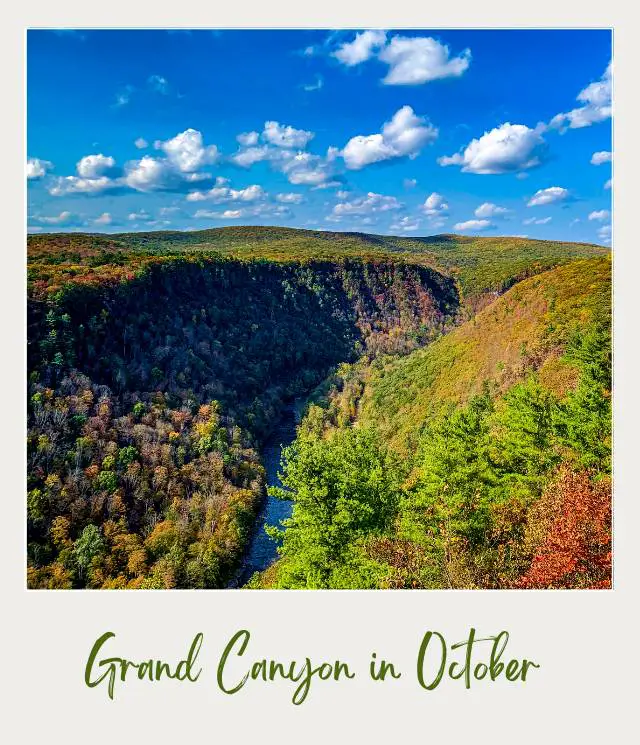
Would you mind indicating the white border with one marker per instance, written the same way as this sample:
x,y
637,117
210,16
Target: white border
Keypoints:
x,y
585,641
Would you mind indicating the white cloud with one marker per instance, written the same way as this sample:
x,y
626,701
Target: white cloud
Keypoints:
x,y
141,143
434,205
247,157
222,194
505,149
186,151
95,166
604,233
141,216
289,198
147,174
37,168
164,211
104,219
405,224
411,60
316,86
124,96
76,185
608,184
285,136
64,218
308,169
259,210
551,195
159,84
488,209
361,48
417,60
473,225
599,215
410,183
603,156
536,221
403,136
370,204
596,105
247,139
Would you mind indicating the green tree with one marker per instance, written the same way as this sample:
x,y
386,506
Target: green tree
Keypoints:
x,y
87,547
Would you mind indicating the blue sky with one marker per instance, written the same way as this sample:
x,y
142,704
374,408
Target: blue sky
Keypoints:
x,y
393,132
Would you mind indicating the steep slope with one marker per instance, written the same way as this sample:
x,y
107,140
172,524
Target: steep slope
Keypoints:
x,y
151,384
523,330
482,460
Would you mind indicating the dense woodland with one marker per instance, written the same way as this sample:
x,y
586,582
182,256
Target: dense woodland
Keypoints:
x,y
458,434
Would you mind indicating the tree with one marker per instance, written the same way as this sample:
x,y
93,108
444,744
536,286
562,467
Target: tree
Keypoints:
x,y
573,522
344,489
87,547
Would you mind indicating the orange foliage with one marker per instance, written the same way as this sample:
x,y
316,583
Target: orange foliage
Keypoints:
x,y
575,551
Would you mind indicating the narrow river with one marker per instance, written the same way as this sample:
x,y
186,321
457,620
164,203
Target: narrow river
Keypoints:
x,y
262,551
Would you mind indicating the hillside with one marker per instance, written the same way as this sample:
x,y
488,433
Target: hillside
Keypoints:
x,y
482,460
480,265
159,362
525,329
153,383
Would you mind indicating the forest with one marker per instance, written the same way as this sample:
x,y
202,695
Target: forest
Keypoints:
x,y
457,430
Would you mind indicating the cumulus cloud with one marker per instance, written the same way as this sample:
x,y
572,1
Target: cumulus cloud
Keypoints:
x,y
434,205
410,183
488,209
417,60
184,157
187,151
77,185
405,224
506,149
604,233
362,48
603,156
247,139
596,105
304,168
599,215
95,166
473,225
260,210
141,143
37,168
286,136
412,60
551,195
536,221
222,194
403,136
246,157
65,219
104,219
148,174
289,198
141,216
370,204
608,184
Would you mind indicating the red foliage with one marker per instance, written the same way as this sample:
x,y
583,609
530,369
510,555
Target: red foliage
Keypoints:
x,y
576,550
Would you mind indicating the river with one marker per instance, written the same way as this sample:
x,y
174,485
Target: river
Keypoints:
x,y
262,551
